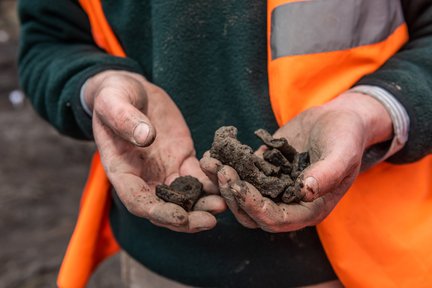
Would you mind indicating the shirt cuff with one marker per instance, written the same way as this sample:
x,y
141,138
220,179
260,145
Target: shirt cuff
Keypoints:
x,y
83,103
400,119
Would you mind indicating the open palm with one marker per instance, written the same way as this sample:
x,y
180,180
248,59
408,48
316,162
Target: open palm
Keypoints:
x,y
128,111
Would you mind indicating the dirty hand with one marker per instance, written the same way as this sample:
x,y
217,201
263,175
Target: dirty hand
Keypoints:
x,y
336,136
128,112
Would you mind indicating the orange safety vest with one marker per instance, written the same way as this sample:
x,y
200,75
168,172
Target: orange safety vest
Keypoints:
x,y
379,234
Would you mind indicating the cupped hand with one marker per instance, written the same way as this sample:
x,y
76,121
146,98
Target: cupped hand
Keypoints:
x,y
336,136
143,141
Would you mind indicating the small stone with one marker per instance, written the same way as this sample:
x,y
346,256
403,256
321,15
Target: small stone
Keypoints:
x,y
301,162
183,191
276,158
273,175
280,144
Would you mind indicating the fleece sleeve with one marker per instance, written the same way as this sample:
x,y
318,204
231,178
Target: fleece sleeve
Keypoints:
x,y
408,77
57,55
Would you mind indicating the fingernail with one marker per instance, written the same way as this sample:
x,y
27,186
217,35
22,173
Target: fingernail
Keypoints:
x,y
236,188
239,191
141,133
311,188
221,178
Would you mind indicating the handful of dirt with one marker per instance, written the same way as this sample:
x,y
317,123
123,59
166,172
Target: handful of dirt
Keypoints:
x,y
183,191
274,175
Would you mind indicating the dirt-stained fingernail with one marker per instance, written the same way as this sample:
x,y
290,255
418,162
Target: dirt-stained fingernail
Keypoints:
x,y
222,178
239,189
141,133
310,189
236,187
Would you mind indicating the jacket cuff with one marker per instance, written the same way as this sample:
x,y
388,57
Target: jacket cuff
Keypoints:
x,y
417,103
400,120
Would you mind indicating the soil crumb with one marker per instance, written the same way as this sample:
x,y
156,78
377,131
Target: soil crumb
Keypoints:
x,y
274,175
183,191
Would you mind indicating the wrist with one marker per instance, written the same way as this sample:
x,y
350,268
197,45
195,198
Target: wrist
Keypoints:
x,y
377,122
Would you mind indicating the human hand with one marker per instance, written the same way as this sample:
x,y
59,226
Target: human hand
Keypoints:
x,y
128,111
336,136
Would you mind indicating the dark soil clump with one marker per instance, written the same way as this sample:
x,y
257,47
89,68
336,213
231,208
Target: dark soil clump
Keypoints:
x,y
274,175
183,191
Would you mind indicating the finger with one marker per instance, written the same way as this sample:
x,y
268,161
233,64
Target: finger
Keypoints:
x,y
212,203
274,217
254,205
238,213
201,221
227,175
191,166
336,149
197,221
140,200
119,114
210,166
168,214
333,173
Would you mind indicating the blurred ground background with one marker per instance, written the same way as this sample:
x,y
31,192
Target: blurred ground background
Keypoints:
x,y
41,178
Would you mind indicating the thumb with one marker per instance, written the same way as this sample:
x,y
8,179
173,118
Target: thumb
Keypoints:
x,y
127,121
332,174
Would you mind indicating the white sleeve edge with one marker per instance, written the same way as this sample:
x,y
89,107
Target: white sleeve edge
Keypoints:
x,y
83,103
398,115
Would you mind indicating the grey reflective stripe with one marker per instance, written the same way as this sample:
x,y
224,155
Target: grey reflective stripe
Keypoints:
x,y
315,26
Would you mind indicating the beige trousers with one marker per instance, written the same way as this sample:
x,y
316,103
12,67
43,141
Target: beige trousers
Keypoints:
x,y
135,275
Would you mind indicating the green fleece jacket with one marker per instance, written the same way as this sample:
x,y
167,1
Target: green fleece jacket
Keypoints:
x,y
210,56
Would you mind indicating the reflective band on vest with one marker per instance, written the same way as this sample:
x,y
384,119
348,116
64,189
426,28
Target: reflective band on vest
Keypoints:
x,y
379,234
308,27
300,81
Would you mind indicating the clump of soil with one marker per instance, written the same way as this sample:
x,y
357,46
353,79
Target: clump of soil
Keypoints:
x,y
274,175
183,191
